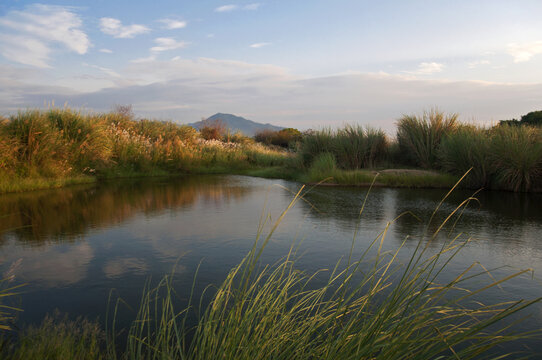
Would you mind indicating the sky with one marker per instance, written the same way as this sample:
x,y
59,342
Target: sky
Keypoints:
x,y
304,64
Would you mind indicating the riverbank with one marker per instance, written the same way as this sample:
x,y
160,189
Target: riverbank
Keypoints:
x,y
42,149
399,178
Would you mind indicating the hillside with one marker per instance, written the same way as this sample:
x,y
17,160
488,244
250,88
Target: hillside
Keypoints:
x,y
238,123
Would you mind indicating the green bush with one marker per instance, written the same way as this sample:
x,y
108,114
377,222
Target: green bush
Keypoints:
x,y
534,118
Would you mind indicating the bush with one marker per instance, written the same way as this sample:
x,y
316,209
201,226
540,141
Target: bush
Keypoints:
x,y
286,138
213,130
532,118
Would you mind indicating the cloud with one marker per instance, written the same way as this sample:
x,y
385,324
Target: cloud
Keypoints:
x,y
231,7
226,8
105,70
52,266
144,59
114,27
477,63
259,45
165,44
426,68
173,24
121,266
524,52
106,51
253,6
25,50
187,89
28,35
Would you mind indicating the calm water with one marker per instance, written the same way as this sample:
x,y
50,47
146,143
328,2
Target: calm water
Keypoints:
x,y
73,246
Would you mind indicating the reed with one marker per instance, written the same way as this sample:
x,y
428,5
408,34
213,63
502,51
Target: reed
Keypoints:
x,y
516,154
419,137
369,307
353,146
54,146
465,148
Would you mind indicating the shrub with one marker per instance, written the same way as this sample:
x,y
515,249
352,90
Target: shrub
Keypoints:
x,y
419,137
532,118
213,130
286,138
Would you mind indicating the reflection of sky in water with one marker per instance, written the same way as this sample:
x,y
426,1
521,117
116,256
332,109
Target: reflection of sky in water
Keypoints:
x,y
77,244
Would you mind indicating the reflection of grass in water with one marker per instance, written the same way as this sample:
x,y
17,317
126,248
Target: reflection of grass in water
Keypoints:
x,y
68,213
369,308
57,338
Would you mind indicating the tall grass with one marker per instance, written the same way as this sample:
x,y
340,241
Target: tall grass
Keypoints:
x,y
465,148
419,137
516,153
353,146
368,307
43,146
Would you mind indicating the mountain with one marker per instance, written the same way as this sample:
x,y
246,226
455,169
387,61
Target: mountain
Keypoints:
x,y
237,123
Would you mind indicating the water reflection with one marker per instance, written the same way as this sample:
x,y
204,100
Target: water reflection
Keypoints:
x,y
65,215
74,245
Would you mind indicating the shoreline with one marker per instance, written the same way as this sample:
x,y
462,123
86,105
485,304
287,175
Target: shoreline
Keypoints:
x,y
392,178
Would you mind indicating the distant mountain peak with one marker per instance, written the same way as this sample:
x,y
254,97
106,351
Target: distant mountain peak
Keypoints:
x,y
237,123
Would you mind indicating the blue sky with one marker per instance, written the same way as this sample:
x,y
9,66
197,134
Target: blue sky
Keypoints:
x,y
298,63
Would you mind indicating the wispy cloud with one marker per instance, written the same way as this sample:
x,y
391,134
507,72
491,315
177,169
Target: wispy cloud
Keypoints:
x,y
259,45
427,68
144,59
253,6
105,70
232,7
172,24
164,44
226,8
25,50
477,63
524,52
28,35
106,51
114,27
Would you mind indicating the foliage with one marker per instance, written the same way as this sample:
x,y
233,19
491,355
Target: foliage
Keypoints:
x,y
516,155
213,129
532,118
40,147
419,137
286,138
323,166
354,147
364,308
465,148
